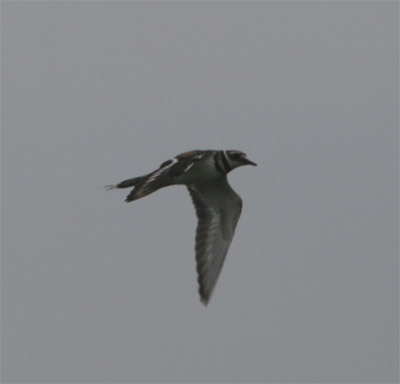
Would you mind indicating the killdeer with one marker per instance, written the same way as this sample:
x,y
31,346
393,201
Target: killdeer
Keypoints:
x,y
217,205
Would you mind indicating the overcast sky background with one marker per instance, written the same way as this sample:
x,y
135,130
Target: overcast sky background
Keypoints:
x,y
96,290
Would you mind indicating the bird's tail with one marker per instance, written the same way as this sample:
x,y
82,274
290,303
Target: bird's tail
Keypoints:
x,y
124,184
143,186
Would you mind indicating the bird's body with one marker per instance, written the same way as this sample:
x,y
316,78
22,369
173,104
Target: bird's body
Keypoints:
x,y
218,206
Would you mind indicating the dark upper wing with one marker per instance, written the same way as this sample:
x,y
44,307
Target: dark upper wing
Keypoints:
x,y
218,209
162,177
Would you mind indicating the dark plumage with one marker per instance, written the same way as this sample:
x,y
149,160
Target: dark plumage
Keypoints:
x,y
218,206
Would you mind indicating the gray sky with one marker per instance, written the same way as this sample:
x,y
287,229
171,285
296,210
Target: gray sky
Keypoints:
x,y
96,290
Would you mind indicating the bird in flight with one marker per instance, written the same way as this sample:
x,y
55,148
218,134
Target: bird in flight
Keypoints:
x,y
217,205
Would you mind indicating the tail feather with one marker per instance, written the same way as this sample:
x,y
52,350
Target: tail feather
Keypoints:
x,y
128,183
124,184
144,187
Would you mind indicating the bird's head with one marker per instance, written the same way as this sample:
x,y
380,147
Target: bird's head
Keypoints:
x,y
238,158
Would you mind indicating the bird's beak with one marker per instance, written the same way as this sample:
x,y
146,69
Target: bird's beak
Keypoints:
x,y
248,162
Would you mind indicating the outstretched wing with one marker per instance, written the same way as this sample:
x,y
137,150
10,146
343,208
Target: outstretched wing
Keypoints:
x,y
161,177
218,209
155,180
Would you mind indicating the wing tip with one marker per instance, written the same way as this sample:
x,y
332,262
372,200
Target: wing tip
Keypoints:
x,y
204,300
